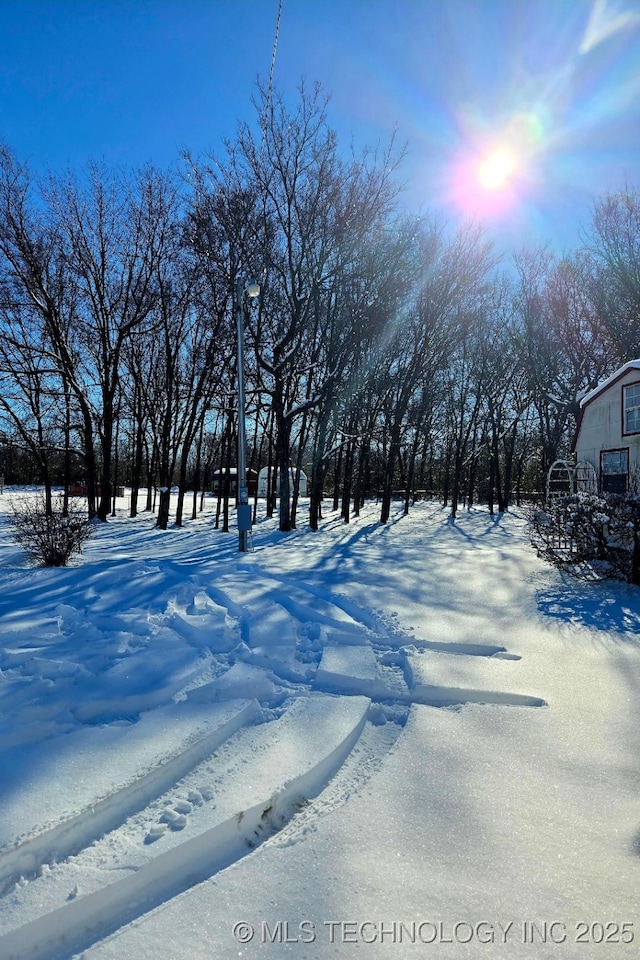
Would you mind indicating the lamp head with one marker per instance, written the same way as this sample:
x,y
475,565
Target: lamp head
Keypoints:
x,y
253,289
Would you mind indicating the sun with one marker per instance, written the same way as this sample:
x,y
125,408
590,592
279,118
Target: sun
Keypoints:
x,y
496,170
491,180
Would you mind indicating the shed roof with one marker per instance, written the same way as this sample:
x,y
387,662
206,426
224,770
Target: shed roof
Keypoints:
x,y
233,472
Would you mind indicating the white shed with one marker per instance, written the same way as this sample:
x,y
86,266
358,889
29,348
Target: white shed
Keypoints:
x,y
264,473
608,431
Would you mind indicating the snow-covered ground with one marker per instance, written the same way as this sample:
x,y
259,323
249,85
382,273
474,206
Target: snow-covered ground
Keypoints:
x,y
375,741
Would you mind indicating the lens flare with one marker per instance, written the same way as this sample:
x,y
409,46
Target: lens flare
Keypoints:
x,y
485,185
496,169
499,166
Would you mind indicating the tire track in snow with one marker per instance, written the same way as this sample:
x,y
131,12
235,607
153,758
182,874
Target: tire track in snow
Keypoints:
x,y
389,677
429,695
77,832
381,632
434,679
376,742
359,618
82,921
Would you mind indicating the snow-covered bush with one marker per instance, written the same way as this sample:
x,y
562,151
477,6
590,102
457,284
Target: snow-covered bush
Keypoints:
x,y
589,532
50,538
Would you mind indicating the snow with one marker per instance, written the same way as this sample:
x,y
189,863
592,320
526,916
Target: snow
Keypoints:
x,y
387,739
592,394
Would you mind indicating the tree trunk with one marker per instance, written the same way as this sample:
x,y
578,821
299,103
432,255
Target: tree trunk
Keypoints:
x,y
164,504
347,482
138,456
283,447
389,472
318,467
151,475
196,472
337,480
116,464
104,507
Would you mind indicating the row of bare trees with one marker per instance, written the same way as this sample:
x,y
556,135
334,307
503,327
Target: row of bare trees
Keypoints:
x,y
387,354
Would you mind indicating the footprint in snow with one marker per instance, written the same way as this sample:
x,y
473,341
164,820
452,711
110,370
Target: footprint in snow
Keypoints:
x,y
174,819
157,831
175,816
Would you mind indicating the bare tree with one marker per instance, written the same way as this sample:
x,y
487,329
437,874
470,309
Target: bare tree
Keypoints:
x,y
454,282
113,231
37,281
30,392
563,343
614,241
306,215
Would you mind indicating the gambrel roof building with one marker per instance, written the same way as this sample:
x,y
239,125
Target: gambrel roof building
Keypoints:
x,y
608,430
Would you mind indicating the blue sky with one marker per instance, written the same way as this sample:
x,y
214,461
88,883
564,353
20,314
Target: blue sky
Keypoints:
x,y
557,81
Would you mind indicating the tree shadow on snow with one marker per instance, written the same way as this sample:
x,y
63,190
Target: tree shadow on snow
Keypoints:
x,y
605,606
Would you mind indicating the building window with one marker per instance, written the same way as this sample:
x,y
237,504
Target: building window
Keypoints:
x,y
614,470
632,408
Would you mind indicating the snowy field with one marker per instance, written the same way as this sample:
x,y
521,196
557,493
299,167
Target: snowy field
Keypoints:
x,y
411,740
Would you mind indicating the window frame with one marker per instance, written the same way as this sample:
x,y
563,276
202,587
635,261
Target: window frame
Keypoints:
x,y
625,387
625,474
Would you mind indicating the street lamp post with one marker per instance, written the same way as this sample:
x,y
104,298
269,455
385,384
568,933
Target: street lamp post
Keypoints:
x,y
251,290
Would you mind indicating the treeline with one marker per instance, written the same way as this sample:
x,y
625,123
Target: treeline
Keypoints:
x,y
387,354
